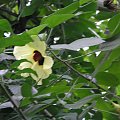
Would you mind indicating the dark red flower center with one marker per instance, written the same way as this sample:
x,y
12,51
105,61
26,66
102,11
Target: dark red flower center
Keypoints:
x,y
38,57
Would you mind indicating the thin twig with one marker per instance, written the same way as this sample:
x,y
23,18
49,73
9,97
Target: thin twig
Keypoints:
x,y
58,79
78,73
73,69
63,31
72,87
112,113
48,38
83,76
81,55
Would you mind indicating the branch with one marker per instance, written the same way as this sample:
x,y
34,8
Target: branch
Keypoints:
x,y
84,76
77,72
12,101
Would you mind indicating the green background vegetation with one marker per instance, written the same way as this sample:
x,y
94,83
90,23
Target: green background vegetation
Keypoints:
x,y
83,84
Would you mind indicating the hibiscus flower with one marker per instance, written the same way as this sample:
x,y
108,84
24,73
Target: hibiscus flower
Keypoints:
x,y
35,52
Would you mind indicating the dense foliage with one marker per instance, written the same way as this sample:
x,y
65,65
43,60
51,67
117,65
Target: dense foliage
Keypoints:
x,y
82,37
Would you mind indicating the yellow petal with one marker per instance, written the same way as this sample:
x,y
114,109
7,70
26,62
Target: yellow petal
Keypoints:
x,y
47,73
38,45
38,69
39,82
23,66
23,52
48,62
43,36
25,74
42,74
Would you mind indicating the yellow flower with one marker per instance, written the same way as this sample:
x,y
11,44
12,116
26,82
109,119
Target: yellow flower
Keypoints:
x,y
35,53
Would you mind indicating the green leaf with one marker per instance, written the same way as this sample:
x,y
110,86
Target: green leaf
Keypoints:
x,y
102,15
17,63
114,24
69,116
57,89
5,2
73,30
80,103
81,2
86,110
82,92
107,79
104,105
68,9
27,70
26,90
112,57
17,40
91,6
25,101
110,45
1,50
4,26
106,108
54,20
115,69
29,10
31,111
117,90
36,30
97,116
61,15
